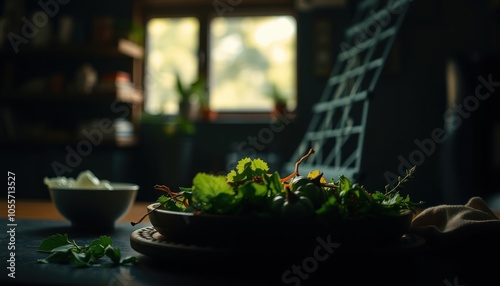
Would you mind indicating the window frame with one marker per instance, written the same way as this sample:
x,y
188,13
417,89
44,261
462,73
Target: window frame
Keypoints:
x,y
205,11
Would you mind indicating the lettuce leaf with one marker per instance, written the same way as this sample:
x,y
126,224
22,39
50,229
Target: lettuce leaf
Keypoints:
x,y
212,193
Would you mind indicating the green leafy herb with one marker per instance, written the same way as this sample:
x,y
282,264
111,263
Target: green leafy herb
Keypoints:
x,y
247,169
401,181
251,189
212,194
64,251
352,200
246,189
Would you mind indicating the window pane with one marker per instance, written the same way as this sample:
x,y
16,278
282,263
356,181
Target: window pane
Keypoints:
x,y
248,55
172,46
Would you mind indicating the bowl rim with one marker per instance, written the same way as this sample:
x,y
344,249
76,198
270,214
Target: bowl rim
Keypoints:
x,y
153,208
117,186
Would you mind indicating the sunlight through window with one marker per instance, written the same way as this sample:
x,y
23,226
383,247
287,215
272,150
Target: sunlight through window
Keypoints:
x,y
251,62
172,47
248,56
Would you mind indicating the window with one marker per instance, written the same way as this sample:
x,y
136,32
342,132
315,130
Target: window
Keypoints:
x,y
172,47
247,58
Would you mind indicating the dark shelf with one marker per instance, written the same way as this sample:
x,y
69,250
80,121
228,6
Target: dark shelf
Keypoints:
x,y
122,48
131,141
36,98
41,106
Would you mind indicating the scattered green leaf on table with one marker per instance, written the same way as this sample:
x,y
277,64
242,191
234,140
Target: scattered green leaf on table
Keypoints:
x,y
64,251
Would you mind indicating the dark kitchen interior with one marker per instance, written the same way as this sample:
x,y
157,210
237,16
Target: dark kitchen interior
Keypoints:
x,y
83,86
409,102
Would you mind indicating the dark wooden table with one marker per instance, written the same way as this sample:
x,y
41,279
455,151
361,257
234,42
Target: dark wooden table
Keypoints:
x,y
419,267
45,210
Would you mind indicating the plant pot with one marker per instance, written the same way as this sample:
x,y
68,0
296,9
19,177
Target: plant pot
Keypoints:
x,y
185,109
278,110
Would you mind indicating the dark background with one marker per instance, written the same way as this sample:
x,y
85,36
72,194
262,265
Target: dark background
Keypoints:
x,y
409,103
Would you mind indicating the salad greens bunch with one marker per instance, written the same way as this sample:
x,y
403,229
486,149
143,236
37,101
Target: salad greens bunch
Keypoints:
x,y
250,189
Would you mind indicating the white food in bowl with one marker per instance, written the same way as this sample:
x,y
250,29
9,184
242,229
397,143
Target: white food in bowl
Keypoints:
x,y
89,203
84,180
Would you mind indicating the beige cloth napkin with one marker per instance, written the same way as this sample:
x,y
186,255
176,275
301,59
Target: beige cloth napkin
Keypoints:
x,y
469,227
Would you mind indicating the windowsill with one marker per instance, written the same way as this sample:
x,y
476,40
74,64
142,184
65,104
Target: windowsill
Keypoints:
x,y
249,118
225,118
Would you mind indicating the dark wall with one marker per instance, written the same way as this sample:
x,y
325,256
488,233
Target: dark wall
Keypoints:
x,y
410,103
409,106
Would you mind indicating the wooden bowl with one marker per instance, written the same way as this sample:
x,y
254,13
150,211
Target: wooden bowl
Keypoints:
x,y
275,233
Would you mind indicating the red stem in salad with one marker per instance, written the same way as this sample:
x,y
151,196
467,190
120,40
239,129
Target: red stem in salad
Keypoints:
x,y
296,173
144,216
173,195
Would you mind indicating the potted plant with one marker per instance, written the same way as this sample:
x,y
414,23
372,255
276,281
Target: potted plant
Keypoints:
x,y
279,100
190,96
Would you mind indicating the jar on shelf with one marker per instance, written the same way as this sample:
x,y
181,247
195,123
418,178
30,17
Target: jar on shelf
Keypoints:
x,y
86,78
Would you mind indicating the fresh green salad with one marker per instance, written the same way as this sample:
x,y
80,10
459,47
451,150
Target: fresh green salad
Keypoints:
x,y
251,189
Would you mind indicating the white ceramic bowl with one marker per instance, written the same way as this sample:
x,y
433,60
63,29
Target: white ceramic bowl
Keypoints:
x,y
94,208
